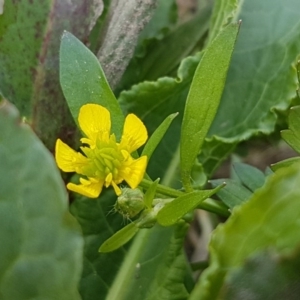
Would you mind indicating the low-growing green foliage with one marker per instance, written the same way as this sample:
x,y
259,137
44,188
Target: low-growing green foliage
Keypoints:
x,y
157,103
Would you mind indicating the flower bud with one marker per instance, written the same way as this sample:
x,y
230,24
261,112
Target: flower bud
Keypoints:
x,y
130,203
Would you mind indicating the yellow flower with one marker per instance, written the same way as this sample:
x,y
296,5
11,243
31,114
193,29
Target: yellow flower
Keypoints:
x,y
105,161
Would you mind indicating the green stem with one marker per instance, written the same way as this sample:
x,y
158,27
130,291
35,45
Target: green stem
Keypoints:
x,y
162,189
214,206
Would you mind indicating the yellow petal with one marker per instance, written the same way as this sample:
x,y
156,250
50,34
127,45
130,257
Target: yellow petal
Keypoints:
x,y
108,180
94,120
86,188
67,159
134,172
134,133
116,188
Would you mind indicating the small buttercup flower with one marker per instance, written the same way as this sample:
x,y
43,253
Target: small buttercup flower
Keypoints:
x,y
103,161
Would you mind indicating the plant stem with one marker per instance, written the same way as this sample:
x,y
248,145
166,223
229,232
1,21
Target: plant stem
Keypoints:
x,y
214,206
162,189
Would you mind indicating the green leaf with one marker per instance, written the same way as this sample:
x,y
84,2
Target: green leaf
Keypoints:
x,y
261,78
83,81
279,274
150,194
251,177
203,98
174,211
120,238
233,193
41,245
285,163
269,219
157,135
292,135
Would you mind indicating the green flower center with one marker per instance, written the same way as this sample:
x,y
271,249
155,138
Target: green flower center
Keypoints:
x,y
106,157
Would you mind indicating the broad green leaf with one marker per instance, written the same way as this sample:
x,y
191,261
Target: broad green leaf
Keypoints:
x,y
120,238
203,98
270,218
266,275
285,163
233,193
292,135
83,81
157,136
41,245
261,78
224,12
173,212
251,177
29,41
150,193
